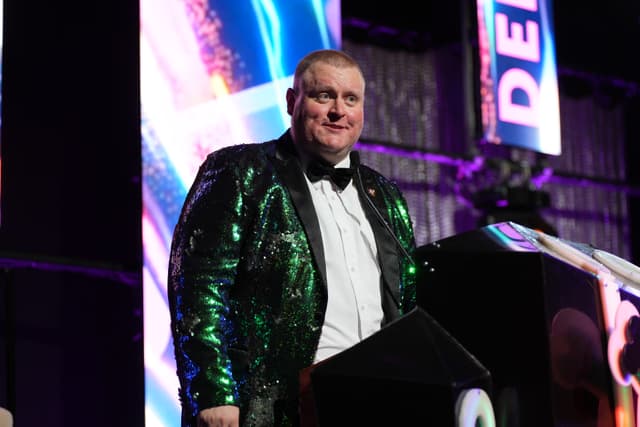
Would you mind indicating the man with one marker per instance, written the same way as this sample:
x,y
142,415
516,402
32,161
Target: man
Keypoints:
x,y
275,267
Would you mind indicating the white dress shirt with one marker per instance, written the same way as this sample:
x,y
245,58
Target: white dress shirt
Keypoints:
x,y
354,308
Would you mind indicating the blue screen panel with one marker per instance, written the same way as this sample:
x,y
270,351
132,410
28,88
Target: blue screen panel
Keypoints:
x,y
518,81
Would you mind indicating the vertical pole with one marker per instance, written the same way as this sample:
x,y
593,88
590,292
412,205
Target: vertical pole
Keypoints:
x,y
469,38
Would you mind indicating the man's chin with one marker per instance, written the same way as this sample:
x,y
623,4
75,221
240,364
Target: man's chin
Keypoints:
x,y
335,146
335,155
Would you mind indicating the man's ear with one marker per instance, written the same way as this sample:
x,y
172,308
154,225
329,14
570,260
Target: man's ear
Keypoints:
x,y
291,100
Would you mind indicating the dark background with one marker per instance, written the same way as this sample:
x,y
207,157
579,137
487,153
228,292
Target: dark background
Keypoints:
x,y
70,233
591,36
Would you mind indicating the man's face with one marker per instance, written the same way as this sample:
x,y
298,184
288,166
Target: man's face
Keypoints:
x,y
327,111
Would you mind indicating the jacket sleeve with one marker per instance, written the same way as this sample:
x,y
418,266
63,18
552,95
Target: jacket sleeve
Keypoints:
x,y
202,268
398,213
408,270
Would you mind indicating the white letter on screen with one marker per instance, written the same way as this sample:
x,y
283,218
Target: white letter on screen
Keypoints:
x,y
527,115
516,46
531,5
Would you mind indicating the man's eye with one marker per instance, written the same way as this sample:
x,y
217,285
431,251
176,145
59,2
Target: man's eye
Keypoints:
x,y
323,97
351,100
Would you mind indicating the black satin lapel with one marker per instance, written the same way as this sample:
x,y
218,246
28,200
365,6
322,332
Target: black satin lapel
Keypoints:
x,y
387,250
292,177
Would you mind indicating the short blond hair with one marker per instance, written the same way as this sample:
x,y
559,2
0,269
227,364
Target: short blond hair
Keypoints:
x,y
336,58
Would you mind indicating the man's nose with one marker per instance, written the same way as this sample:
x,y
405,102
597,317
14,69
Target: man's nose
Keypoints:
x,y
338,107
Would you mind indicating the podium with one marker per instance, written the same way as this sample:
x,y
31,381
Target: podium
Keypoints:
x,y
533,311
411,372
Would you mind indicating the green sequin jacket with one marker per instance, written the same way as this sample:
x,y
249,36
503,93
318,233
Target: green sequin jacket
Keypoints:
x,y
246,284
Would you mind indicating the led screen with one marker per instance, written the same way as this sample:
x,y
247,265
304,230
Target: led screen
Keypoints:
x,y
518,81
212,73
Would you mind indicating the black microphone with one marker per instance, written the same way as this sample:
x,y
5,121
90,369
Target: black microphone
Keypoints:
x,y
355,163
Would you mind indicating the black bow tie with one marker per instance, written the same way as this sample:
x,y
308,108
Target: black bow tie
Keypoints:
x,y
340,176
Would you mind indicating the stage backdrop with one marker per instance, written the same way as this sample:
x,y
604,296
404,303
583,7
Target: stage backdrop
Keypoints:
x,y
426,115
212,73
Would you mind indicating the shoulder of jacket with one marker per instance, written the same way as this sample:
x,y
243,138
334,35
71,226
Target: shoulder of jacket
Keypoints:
x,y
240,153
371,173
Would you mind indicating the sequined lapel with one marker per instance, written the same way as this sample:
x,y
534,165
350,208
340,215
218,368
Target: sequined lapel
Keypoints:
x,y
292,177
